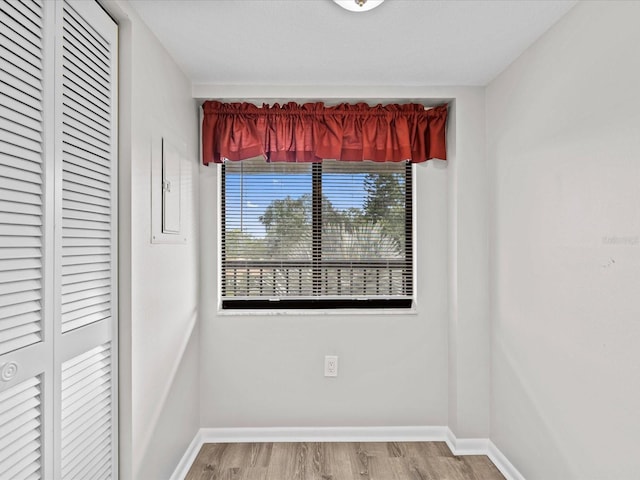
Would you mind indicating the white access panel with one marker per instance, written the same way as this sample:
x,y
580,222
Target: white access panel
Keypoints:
x,y
171,185
171,182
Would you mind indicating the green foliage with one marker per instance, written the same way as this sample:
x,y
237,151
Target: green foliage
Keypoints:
x,y
385,204
385,194
287,212
286,221
240,245
373,232
362,240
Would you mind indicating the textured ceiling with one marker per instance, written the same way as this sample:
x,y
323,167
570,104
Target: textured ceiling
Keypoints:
x,y
315,42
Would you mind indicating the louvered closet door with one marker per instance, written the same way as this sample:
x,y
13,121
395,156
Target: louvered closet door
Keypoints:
x,y
26,240
57,240
86,241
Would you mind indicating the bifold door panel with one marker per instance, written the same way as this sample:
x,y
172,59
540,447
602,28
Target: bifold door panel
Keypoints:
x,y
58,240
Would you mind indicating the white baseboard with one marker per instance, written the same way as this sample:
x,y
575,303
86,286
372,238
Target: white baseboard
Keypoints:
x,y
466,446
502,463
324,434
188,458
459,446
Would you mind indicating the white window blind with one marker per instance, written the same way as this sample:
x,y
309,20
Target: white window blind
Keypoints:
x,y
324,235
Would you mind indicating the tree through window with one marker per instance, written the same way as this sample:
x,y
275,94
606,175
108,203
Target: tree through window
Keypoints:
x,y
323,235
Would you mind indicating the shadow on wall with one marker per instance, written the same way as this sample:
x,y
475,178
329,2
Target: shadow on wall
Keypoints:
x,y
541,446
171,434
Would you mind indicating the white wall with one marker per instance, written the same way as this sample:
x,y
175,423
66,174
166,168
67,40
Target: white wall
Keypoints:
x,y
267,371
159,404
564,152
468,257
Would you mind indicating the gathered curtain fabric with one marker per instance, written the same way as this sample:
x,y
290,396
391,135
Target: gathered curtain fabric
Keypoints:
x,y
311,132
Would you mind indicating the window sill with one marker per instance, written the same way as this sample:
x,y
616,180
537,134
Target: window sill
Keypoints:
x,y
317,312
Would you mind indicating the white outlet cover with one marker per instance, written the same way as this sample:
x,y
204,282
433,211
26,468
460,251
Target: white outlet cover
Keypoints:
x,y
331,366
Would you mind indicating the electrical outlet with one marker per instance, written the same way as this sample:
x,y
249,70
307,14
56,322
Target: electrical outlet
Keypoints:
x,y
331,366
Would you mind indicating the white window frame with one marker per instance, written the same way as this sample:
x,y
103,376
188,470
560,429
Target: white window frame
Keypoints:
x,y
412,310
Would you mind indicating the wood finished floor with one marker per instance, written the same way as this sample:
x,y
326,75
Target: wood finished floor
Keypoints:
x,y
338,461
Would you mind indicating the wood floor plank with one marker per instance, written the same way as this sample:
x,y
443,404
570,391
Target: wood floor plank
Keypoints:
x,y
375,449
482,467
454,468
358,460
283,461
395,449
423,459
425,449
409,468
253,473
338,461
206,464
327,461
382,468
416,468
260,454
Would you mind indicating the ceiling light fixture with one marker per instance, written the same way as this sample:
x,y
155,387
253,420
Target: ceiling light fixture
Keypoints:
x,y
358,5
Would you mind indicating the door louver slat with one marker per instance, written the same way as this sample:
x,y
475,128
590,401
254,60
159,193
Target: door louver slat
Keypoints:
x,y
19,118
21,418
31,90
85,116
21,286
22,12
30,79
10,57
21,54
18,164
73,289
81,62
89,192
27,51
35,6
86,173
19,320
19,167
18,130
86,414
84,168
85,35
21,152
74,205
88,84
11,23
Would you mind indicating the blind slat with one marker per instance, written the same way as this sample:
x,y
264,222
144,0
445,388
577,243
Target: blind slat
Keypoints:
x,y
331,230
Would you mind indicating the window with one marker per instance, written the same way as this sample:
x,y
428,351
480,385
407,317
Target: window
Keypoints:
x,y
316,235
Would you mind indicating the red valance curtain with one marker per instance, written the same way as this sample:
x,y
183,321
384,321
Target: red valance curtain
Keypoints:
x,y
313,131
